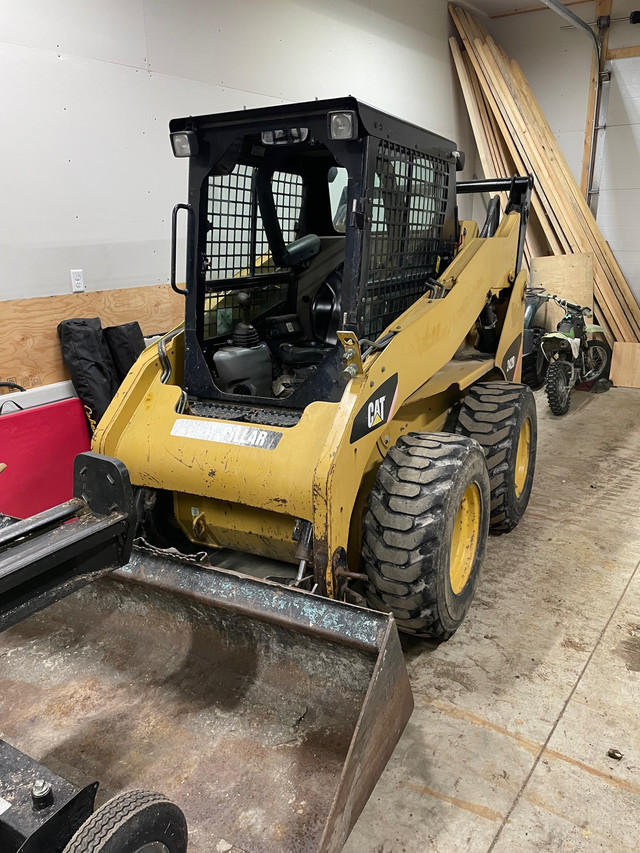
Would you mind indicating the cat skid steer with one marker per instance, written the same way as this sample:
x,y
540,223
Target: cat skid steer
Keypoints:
x,y
341,415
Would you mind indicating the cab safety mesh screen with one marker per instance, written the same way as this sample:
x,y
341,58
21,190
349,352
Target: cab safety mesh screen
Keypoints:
x,y
236,245
408,213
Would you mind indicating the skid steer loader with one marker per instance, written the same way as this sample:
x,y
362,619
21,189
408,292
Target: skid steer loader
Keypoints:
x,y
349,351
342,408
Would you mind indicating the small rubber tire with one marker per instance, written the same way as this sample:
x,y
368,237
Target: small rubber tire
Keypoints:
x,y
605,367
535,365
409,529
128,822
495,414
559,387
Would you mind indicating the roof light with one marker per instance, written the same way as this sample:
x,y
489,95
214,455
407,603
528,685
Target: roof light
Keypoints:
x,y
343,125
184,143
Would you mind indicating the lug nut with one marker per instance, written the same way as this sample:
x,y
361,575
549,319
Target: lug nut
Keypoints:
x,y
41,793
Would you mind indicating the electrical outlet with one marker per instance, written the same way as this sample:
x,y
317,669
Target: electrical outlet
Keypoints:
x,y
77,281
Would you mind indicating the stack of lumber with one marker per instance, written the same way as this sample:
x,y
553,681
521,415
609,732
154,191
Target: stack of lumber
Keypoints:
x,y
513,137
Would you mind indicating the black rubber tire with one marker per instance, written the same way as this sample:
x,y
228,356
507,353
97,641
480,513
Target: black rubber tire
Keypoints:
x,y
558,377
534,365
493,413
408,528
130,820
603,373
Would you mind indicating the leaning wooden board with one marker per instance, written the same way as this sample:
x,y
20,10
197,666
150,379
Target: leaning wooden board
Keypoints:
x,y
567,276
29,344
625,365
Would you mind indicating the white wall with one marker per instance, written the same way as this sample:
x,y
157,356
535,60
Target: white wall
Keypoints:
x,y
556,60
88,179
557,63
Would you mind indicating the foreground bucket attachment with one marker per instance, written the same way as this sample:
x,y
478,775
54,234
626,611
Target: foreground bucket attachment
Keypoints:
x,y
266,713
48,556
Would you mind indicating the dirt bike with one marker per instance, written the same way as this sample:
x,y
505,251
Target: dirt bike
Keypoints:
x,y
573,357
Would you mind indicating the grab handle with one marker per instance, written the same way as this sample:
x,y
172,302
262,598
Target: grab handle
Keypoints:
x,y
174,231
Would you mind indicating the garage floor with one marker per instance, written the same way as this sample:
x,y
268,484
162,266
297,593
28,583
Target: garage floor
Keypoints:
x,y
507,746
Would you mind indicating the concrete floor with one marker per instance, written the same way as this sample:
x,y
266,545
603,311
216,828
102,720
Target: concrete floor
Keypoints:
x,y
507,747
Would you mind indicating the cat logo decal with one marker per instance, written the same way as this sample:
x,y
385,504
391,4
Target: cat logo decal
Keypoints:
x,y
377,411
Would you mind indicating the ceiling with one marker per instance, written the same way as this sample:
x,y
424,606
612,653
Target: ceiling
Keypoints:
x,y
496,8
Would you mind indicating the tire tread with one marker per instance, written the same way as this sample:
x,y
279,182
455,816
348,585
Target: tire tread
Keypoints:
x,y
109,818
401,528
553,398
489,413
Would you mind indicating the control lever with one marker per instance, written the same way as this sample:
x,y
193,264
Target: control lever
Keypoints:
x,y
244,334
244,302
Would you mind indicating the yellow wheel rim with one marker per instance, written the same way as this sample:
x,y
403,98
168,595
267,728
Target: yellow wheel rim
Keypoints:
x,y
522,457
464,542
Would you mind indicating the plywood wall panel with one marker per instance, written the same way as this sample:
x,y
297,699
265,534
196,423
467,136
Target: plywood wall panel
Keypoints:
x,y
29,344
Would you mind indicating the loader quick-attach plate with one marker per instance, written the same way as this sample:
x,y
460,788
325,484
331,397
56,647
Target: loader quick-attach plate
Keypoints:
x,y
266,713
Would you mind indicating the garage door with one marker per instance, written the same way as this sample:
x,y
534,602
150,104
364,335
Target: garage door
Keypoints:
x,y
619,205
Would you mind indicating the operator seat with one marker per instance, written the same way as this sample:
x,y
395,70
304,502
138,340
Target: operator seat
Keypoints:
x,y
284,333
325,308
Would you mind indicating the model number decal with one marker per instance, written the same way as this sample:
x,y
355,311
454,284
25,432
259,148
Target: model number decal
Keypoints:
x,y
377,410
512,357
223,433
